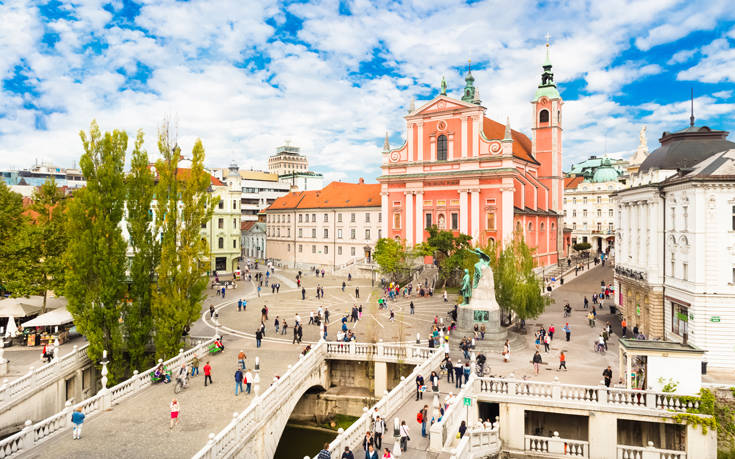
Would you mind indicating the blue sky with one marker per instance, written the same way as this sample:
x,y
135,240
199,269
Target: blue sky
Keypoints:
x,y
333,76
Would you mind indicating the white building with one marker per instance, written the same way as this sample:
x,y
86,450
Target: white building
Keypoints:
x,y
328,228
287,160
675,265
253,240
303,181
259,190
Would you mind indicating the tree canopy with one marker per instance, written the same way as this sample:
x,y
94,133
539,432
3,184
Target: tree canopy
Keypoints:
x,y
450,251
390,255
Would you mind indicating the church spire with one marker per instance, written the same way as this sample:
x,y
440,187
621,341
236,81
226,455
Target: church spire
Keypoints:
x,y
691,117
469,87
386,144
547,88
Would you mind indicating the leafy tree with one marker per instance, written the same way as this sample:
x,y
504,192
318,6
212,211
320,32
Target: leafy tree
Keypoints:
x,y
390,256
449,250
11,219
517,288
146,253
95,257
582,246
183,206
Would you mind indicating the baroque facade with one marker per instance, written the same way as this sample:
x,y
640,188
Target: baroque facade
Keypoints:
x,y
469,174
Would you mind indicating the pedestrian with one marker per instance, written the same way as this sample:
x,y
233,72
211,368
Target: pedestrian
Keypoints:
x,y
536,361
586,303
434,381
244,304
423,418
419,387
324,453
276,324
347,454
387,454
546,343
449,368
211,311
239,305
258,337
195,366
303,293
466,370
551,332
248,382
462,429
378,431
223,292
412,307
370,452
568,331
357,292
445,295
238,380
343,285
607,374
404,436
367,443
624,324
458,375
207,374
506,351
241,359
77,418
562,361
174,413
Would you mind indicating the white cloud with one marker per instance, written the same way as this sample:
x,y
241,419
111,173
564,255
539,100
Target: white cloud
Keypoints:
x,y
682,56
717,64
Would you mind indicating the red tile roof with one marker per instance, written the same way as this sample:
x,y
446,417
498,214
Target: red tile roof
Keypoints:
x,y
244,226
521,144
336,194
571,183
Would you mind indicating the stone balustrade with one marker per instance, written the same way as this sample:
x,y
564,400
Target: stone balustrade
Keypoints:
x,y
441,432
478,442
556,446
649,452
383,352
34,434
18,389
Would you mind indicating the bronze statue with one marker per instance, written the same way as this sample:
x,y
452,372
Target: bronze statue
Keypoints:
x,y
481,263
466,289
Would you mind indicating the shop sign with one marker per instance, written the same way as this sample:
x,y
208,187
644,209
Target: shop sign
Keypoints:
x,y
714,319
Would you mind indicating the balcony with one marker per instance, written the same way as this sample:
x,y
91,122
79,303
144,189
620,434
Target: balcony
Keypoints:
x,y
649,452
556,446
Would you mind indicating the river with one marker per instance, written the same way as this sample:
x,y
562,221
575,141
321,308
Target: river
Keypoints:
x,y
297,442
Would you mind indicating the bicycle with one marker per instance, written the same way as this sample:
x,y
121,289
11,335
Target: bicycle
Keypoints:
x,y
181,383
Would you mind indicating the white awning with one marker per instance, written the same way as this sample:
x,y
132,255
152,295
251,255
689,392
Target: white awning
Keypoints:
x,y
52,302
16,307
58,316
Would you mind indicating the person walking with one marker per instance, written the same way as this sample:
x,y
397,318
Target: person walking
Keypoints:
x,y
419,387
466,370
378,431
195,366
423,415
624,324
562,361
370,452
536,361
211,311
412,308
434,381
506,351
368,443
547,341
207,374
324,453
357,292
404,436
462,429
174,406
568,331
238,380
258,337
607,374
347,454
241,359
458,375
248,382
77,418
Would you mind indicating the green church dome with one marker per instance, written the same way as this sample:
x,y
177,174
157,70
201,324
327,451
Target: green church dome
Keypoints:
x,y
605,173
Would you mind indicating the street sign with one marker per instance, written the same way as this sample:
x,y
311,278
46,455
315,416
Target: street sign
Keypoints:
x,y
467,401
714,319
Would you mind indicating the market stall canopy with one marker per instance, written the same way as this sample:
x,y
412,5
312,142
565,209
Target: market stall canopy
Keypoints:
x,y
52,302
58,316
17,307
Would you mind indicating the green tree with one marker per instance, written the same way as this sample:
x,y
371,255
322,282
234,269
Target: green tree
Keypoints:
x,y
449,250
146,253
184,205
11,219
582,246
517,288
95,257
390,255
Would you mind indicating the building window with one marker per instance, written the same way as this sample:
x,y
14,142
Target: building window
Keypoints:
x,y
685,271
339,233
367,217
397,221
289,218
301,218
574,212
367,234
234,243
326,233
610,213
300,233
584,212
288,247
352,251
543,116
541,227
234,223
441,148
428,220
326,249
574,225
599,212
584,200
673,268
599,200
686,218
221,204
380,217
278,232
353,233
599,227
221,243
221,223
313,218
679,319
490,221
380,234
313,249
204,225
352,218
610,227
339,250
326,218
234,204
313,233
301,248
455,220
530,227
289,232
339,218
584,225
574,200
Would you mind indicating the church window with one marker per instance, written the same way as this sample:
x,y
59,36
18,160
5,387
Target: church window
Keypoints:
x,y
288,247
396,221
543,116
234,223
574,212
733,218
221,243
530,227
558,116
584,200
518,227
278,232
301,248
380,217
490,221
599,199
339,218
584,212
313,218
352,251
339,250
574,225
455,220
313,233
428,220
441,148
574,200
541,227
599,227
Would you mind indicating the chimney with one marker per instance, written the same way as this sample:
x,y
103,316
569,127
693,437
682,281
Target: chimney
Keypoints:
x,y
361,181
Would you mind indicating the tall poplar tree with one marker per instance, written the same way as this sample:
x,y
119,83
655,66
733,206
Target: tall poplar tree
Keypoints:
x,y
183,206
11,220
146,252
95,258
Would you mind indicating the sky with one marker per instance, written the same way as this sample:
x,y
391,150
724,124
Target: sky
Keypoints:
x,y
332,77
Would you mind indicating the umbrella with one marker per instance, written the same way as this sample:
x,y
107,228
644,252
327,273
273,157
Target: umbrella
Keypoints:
x,y
17,307
11,330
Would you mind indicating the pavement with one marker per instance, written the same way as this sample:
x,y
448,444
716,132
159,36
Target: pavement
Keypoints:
x,y
23,358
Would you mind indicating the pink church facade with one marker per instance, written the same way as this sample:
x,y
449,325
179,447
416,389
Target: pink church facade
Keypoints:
x,y
469,174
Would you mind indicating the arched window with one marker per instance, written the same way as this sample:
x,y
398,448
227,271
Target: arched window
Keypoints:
x,y
221,243
441,148
541,227
530,227
518,227
543,116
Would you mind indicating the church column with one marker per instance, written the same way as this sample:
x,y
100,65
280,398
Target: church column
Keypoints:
x,y
420,140
463,211
409,218
409,140
506,196
464,136
432,141
476,135
384,213
476,215
451,146
419,217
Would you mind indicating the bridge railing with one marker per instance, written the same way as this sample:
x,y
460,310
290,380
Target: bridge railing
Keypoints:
x,y
391,403
478,441
37,379
34,434
439,433
391,352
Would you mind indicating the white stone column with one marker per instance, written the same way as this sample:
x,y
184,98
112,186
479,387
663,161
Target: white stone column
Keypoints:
x,y
409,218
409,141
463,211
464,137
419,217
450,150
384,213
420,140
475,206
476,135
506,195
432,140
